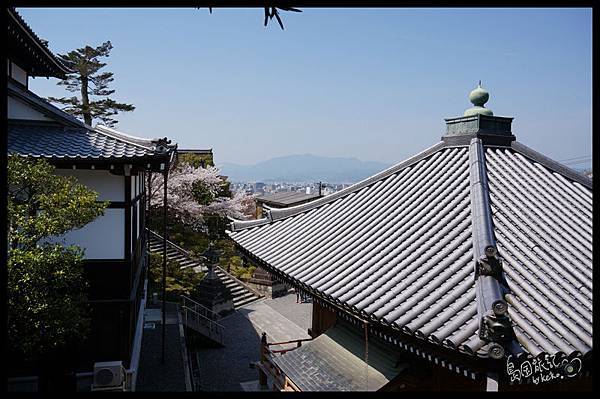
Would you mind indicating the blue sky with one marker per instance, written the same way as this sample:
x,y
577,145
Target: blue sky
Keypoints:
x,y
374,84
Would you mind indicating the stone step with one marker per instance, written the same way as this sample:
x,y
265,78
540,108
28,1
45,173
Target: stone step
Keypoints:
x,y
189,263
245,301
237,291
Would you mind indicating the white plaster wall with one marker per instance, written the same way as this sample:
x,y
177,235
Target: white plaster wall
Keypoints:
x,y
109,187
17,109
18,74
103,238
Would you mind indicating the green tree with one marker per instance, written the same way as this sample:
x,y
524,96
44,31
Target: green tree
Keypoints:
x,y
46,287
89,82
179,281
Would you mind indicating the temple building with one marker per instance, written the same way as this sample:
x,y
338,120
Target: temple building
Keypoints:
x,y
114,164
196,157
467,266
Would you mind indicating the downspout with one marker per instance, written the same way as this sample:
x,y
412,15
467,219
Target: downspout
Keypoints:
x,y
495,326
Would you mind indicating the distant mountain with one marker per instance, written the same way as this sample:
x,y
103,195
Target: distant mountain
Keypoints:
x,y
306,167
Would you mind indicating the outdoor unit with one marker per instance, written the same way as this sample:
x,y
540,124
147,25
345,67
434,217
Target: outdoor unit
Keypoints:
x,y
108,376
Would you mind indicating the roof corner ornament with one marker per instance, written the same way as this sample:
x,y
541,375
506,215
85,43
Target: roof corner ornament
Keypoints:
x,y
161,145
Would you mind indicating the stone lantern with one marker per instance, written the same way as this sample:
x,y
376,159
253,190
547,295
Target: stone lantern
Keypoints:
x,y
212,292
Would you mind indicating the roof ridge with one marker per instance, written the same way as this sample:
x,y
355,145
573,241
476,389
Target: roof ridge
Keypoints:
x,y
552,164
118,135
490,284
274,214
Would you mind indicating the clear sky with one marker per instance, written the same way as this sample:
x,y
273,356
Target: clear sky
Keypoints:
x,y
374,84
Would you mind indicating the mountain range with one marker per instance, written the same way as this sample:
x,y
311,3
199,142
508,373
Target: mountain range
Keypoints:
x,y
303,168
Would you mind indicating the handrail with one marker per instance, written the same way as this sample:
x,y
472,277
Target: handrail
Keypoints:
x,y
290,342
196,304
255,292
183,251
204,317
203,325
172,244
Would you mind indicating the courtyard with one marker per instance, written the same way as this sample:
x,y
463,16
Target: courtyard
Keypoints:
x,y
229,368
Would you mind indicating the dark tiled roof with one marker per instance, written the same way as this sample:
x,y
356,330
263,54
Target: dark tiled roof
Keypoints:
x,y
399,247
66,137
287,198
54,141
335,361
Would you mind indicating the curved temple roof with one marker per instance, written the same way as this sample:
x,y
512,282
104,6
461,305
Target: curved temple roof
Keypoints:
x,y
398,248
65,137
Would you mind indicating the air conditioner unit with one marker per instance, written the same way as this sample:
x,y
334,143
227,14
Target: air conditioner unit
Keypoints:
x,y
108,375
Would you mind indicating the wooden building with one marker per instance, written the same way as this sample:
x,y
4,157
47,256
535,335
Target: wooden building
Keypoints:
x,y
465,267
197,157
114,164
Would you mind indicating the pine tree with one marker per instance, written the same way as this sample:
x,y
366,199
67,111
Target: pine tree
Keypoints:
x,y
89,82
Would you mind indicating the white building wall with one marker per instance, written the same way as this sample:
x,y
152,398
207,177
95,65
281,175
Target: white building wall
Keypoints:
x,y
18,74
103,238
17,109
109,187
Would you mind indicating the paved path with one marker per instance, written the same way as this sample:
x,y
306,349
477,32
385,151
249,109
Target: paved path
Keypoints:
x,y
225,369
154,376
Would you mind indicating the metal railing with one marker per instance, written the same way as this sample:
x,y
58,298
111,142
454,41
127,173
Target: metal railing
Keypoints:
x,y
199,308
203,325
173,245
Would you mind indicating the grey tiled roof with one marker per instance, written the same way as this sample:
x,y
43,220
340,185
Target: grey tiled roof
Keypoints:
x,y
398,248
543,225
287,198
335,361
58,142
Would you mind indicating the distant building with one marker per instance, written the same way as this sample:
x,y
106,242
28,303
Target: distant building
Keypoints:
x,y
259,187
202,158
465,267
283,200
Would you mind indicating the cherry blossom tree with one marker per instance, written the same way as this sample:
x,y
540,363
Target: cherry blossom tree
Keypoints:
x,y
193,193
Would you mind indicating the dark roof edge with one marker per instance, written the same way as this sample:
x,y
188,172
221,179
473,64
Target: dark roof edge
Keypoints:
x,y
197,151
282,213
495,326
552,164
21,22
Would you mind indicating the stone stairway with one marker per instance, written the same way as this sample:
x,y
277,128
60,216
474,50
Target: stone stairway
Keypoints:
x,y
241,294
